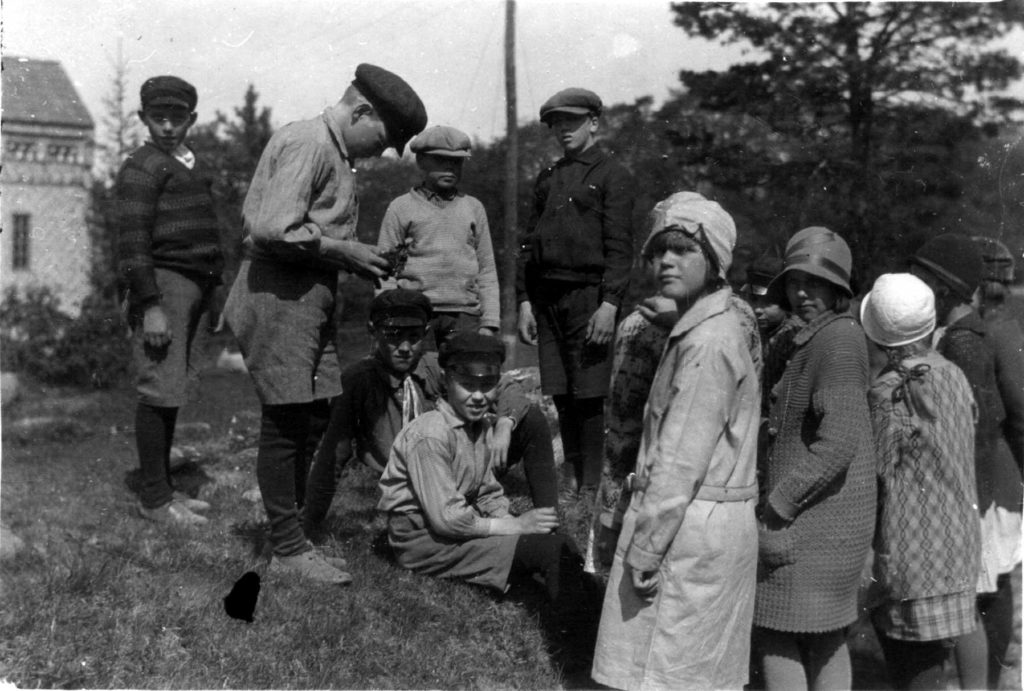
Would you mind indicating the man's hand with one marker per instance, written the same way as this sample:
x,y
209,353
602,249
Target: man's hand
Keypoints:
x,y
660,311
500,438
527,324
645,583
357,257
601,326
538,521
156,331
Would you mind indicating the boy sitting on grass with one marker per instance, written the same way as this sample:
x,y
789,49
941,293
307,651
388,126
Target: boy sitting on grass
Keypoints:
x,y
447,514
395,384
445,239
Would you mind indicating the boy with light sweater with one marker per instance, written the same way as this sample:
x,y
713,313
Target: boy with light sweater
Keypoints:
x,y
445,240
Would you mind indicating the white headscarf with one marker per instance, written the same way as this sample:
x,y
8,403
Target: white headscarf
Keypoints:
x,y
690,212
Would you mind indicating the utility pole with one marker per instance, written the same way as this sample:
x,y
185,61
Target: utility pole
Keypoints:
x,y
511,250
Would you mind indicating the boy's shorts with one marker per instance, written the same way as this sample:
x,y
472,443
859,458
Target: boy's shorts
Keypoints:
x,y
567,364
284,319
165,376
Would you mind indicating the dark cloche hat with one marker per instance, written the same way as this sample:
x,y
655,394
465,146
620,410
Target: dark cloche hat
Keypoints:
x,y
442,140
167,90
572,100
397,104
472,348
400,307
955,260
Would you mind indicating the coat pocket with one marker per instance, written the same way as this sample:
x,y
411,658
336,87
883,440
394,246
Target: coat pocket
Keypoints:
x,y
775,547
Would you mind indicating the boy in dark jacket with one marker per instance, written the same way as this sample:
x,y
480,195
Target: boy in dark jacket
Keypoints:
x,y
573,272
170,261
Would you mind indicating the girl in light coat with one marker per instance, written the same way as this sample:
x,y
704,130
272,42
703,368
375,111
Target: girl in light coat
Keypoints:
x,y
679,602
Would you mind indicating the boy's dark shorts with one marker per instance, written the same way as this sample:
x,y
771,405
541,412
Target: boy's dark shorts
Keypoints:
x,y
567,364
165,376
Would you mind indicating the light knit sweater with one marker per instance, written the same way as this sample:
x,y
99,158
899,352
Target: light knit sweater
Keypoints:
x,y
450,256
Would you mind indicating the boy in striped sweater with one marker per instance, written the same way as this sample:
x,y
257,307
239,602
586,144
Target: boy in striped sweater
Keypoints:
x,y
444,239
170,261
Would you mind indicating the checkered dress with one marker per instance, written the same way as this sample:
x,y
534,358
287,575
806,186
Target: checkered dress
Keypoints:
x,y
927,541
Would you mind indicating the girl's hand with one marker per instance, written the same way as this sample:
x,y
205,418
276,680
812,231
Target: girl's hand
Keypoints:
x,y
645,583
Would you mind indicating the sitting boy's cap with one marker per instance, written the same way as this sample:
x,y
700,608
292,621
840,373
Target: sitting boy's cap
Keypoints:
x,y
167,90
572,100
402,111
760,274
442,141
400,307
475,353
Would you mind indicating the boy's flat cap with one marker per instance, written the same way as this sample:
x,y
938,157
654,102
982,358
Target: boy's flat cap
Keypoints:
x,y
761,272
167,90
471,347
397,104
400,307
572,100
442,140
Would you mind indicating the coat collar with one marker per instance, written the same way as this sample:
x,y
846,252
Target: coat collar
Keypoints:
x,y
588,156
335,135
817,324
971,321
705,308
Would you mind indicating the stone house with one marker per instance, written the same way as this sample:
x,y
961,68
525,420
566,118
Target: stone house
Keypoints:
x,y
47,141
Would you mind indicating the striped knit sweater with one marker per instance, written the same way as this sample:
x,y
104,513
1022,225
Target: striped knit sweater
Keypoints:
x,y
450,256
165,218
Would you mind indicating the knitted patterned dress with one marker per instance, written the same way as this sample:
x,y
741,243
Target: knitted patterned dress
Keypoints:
x,y
820,474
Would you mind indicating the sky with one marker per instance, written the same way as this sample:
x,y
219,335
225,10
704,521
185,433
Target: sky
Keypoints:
x,y
300,54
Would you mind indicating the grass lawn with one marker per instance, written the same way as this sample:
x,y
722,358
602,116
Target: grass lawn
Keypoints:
x,y
100,598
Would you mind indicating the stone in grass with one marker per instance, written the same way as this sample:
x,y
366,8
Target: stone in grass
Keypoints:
x,y
10,388
46,428
10,544
192,431
253,495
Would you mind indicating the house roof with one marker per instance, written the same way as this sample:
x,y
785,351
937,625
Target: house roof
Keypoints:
x,y
40,92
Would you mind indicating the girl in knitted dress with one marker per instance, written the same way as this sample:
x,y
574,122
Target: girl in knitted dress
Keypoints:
x,y
927,542
817,507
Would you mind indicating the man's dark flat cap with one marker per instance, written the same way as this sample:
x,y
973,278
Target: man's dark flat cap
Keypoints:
x,y
397,104
573,100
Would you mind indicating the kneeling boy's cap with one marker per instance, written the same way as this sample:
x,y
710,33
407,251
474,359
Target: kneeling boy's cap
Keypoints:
x,y
167,90
442,141
572,100
402,111
473,353
400,307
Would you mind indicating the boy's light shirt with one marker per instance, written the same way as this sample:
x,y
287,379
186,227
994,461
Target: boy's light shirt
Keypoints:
x,y
183,155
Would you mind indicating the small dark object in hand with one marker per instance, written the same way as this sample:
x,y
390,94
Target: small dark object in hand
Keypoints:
x,y
240,603
397,256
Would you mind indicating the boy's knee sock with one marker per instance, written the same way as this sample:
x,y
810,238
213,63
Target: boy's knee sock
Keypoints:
x,y
284,430
154,430
590,413
569,429
531,443
996,611
319,415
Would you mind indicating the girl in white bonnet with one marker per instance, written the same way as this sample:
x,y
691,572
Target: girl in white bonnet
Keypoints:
x,y
928,536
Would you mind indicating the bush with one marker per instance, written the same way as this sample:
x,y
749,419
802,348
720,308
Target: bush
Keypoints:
x,y
41,341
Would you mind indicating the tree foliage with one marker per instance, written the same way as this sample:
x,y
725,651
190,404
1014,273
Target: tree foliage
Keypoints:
x,y
868,112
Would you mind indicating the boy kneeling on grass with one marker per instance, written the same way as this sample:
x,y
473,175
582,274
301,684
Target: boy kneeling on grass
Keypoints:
x,y
447,513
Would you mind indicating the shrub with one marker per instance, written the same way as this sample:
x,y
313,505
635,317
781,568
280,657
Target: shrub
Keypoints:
x,y
41,341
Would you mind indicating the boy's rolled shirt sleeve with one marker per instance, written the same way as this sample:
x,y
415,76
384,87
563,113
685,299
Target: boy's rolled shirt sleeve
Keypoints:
x,y
277,219
448,511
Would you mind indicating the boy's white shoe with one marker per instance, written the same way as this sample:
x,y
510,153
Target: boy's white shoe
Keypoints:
x,y
312,565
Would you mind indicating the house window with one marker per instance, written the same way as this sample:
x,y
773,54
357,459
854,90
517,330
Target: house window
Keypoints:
x,y
19,242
